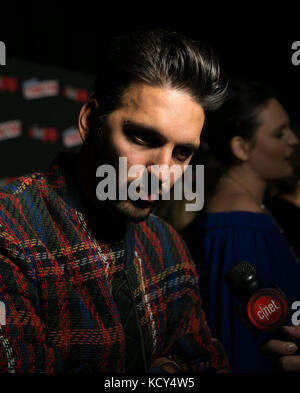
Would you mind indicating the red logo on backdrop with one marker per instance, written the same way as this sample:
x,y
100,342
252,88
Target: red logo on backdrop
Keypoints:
x,y
33,88
10,129
79,95
8,83
44,134
267,309
71,137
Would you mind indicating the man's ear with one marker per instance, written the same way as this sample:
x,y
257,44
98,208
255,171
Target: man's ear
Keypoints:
x,y
88,118
240,148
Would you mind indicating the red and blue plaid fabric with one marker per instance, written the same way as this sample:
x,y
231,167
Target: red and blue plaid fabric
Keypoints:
x,y
55,285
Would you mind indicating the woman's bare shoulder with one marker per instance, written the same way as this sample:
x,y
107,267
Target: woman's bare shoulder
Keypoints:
x,y
227,202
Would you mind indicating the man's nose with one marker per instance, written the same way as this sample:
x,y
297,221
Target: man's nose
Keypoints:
x,y
163,159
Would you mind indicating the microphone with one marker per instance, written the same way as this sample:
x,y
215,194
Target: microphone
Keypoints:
x,y
265,308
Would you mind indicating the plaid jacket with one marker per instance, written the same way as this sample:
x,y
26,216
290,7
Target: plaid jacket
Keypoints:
x,y
54,283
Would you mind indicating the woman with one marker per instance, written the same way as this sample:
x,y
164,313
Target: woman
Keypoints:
x,y
283,201
251,137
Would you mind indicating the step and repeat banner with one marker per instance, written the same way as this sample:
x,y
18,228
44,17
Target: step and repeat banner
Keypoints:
x,y
39,108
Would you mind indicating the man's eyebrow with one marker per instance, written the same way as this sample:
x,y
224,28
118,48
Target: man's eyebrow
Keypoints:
x,y
136,126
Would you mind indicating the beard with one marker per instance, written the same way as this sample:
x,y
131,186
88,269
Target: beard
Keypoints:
x,y
97,152
134,211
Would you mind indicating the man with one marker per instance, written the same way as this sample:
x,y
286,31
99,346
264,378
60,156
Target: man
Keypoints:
x,y
93,285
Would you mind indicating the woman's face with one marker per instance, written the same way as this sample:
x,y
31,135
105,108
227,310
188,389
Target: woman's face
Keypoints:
x,y
270,157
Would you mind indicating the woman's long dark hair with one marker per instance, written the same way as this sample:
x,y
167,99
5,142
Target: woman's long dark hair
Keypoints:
x,y
239,116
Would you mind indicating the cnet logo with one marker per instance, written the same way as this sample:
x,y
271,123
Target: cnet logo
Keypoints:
x,y
267,309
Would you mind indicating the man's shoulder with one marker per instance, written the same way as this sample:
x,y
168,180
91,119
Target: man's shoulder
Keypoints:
x,y
23,185
24,194
53,178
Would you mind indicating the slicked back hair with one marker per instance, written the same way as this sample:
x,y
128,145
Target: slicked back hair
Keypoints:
x,y
160,59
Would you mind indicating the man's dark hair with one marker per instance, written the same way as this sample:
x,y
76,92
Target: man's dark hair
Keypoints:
x,y
160,58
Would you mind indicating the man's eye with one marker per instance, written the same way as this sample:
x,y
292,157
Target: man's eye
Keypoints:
x,y
145,139
183,155
140,138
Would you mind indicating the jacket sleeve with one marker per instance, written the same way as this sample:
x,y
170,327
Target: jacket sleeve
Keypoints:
x,y
24,347
191,344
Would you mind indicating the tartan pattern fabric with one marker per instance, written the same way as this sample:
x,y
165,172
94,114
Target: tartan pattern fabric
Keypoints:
x,y
55,282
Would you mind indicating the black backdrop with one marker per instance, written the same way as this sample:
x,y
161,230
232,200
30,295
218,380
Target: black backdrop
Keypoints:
x,y
63,41
38,117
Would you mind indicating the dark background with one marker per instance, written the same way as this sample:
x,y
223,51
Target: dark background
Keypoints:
x,y
252,40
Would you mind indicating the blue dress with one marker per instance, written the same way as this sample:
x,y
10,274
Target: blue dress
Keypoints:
x,y
218,241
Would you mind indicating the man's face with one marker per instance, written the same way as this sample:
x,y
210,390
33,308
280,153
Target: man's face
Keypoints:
x,y
152,126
